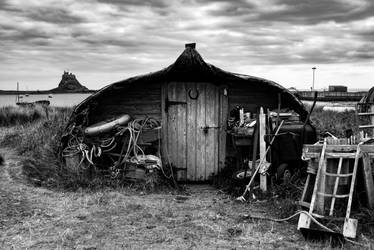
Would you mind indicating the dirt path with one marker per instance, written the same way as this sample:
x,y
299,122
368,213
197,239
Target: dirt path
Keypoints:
x,y
13,206
37,218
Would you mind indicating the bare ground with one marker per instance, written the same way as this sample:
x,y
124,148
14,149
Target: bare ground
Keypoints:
x,y
38,218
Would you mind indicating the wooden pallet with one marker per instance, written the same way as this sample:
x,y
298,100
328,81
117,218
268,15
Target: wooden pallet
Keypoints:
x,y
326,179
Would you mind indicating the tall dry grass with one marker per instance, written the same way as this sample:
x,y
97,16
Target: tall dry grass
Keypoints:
x,y
334,122
11,116
37,138
38,142
36,134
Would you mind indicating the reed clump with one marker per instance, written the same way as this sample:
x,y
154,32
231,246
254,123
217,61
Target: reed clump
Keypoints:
x,y
334,122
12,116
37,140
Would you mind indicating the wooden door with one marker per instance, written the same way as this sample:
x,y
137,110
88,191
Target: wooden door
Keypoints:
x,y
194,119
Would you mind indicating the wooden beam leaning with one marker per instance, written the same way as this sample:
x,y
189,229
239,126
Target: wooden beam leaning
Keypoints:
x,y
336,185
262,131
350,225
372,116
368,179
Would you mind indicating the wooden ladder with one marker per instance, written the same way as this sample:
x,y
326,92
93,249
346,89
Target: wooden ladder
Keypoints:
x,y
319,196
365,110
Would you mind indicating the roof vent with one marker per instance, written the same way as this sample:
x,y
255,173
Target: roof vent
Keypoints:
x,y
190,45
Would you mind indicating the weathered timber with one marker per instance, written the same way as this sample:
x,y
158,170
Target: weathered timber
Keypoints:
x,y
193,133
262,132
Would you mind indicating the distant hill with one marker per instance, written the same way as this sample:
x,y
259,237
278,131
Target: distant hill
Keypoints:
x,y
69,84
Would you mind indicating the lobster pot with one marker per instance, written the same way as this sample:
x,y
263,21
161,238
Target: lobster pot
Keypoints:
x,y
136,172
73,163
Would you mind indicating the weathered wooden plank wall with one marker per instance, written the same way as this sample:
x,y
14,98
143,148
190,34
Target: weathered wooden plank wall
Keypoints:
x,y
201,139
251,97
181,127
211,120
192,149
223,115
138,100
202,154
191,135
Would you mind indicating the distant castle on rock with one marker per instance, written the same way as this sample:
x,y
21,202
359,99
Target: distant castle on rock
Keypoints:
x,y
69,83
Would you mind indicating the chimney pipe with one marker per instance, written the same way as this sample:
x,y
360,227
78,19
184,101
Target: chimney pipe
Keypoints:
x,y
190,45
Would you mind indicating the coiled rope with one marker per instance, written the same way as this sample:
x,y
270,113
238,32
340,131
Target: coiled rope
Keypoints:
x,y
128,136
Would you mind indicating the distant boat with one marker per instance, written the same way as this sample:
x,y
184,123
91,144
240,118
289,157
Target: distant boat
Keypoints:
x,y
50,96
21,103
42,102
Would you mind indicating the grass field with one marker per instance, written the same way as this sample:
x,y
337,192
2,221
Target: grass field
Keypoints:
x,y
334,122
36,132
39,210
37,139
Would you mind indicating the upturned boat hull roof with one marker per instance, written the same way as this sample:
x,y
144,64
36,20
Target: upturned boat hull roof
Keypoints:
x,y
190,66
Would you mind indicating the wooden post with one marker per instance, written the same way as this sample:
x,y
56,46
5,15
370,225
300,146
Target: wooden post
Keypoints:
x,y
223,110
336,185
350,225
279,108
368,179
317,181
262,131
254,147
320,199
372,118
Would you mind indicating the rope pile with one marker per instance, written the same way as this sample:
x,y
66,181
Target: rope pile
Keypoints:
x,y
122,139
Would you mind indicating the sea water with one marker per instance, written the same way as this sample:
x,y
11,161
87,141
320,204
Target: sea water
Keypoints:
x,y
69,100
333,106
58,100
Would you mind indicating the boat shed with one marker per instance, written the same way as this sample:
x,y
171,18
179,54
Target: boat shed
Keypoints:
x,y
192,100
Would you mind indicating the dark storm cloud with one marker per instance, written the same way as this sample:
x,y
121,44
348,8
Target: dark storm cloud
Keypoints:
x,y
365,52
130,44
149,3
4,5
44,14
53,15
128,37
160,7
6,27
237,2
231,8
312,12
367,35
292,32
21,35
296,12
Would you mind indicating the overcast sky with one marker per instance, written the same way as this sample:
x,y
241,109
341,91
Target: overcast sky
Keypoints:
x,y
106,41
